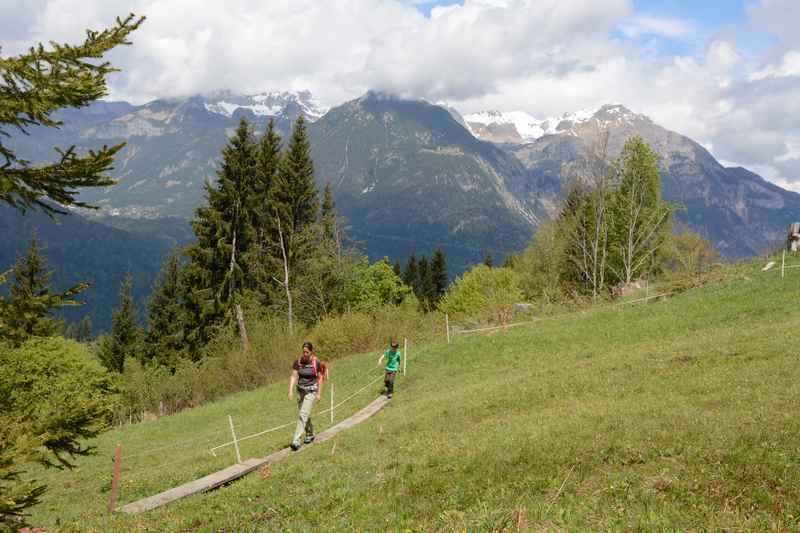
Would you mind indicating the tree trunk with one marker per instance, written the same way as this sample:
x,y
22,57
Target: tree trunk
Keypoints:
x,y
242,328
285,274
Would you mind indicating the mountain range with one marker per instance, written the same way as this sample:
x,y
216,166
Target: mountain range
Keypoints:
x,y
408,175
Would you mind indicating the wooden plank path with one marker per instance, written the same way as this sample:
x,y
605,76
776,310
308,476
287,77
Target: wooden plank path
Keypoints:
x,y
236,471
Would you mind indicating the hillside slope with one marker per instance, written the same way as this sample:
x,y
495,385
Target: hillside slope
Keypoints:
x,y
675,415
82,250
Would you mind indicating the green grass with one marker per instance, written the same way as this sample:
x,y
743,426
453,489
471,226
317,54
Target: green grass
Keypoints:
x,y
676,415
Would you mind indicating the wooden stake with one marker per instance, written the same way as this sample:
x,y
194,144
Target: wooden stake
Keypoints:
x,y
783,262
331,402
405,354
112,500
235,442
447,326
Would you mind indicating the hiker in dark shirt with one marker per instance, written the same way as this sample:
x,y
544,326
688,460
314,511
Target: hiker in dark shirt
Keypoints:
x,y
307,378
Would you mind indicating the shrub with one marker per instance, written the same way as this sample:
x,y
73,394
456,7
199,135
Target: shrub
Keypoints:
x,y
542,266
53,397
483,294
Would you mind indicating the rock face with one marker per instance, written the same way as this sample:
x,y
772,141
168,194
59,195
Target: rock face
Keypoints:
x,y
738,211
172,145
407,175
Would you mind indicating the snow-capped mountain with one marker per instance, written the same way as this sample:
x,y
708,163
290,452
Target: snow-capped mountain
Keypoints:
x,y
268,104
521,127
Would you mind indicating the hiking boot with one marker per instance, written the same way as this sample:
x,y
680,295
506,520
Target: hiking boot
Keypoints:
x,y
389,396
309,439
294,447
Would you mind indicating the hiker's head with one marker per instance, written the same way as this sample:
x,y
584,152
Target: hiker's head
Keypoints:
x,y
394,344
308,348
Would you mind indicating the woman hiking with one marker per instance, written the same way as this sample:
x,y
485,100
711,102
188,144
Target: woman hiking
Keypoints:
x,y
392,356
307,377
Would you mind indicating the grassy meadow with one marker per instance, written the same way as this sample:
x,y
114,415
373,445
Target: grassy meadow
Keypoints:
x,y
676,415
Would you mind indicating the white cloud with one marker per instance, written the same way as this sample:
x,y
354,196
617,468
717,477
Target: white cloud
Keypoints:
x,y
661,26
789,65
545,57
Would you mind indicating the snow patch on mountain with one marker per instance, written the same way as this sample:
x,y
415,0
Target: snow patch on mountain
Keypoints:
x,y
265,104
531,128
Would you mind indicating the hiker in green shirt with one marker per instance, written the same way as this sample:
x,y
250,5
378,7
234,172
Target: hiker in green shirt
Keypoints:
x,y
392,356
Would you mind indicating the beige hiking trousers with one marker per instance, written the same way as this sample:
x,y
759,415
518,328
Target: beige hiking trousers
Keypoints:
x,y
305,401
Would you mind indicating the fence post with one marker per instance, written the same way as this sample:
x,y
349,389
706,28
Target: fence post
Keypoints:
x,y
331,402
405,354
783,262
447,326
112,500
235,442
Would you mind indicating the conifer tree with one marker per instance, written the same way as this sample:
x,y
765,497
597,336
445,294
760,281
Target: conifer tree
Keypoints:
x,y
411,273
268,162
294,205
27,311
423,286
164,340
328,214
294,198
398,270
33,86
125,337
488,260
438,276
215,277
85,330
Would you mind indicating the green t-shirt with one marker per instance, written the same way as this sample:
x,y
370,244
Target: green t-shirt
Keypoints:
x,y
392,360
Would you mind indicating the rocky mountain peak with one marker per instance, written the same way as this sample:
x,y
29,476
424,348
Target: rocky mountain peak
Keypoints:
x,y
267,104
520,127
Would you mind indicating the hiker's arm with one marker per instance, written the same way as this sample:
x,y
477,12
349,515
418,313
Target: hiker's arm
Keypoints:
x,y
320,381
379,360
292,383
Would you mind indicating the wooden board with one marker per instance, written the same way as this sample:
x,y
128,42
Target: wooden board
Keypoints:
x,y
236,471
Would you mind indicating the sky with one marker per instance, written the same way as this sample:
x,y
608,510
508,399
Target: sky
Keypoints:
x,y
724,72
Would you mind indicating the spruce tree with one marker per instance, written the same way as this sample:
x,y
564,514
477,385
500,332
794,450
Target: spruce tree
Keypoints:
x,y
215,277
294,210
33,86
85,329
164,340
410,274
125,337
27,311
488,260
438,276
423,286
294,198
398,270
268,162
328,214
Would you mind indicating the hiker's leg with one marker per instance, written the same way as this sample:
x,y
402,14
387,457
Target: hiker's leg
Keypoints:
x,y
301,418
308,403
390,382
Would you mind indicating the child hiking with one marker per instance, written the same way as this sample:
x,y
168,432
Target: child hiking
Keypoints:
x,y
392,356
307,378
